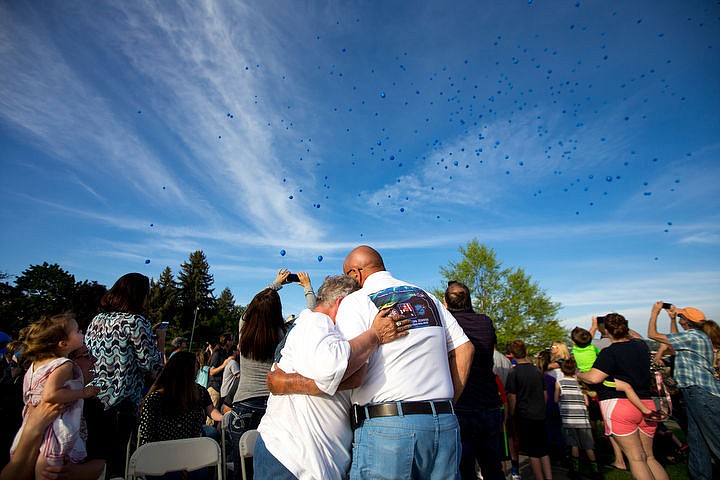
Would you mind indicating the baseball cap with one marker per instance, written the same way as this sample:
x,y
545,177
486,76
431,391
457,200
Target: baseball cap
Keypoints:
x,y
692,314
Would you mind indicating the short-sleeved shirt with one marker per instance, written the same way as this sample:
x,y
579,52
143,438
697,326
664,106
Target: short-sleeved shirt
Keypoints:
x,y
628,361
694,360
527,383
217,359
414,367
573,411
585,356
157,425
310,434
230,379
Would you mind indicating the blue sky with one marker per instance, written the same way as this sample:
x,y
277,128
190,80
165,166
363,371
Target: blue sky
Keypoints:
x,y
579,139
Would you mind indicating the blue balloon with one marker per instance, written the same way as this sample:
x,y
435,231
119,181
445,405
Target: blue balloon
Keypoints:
x,y
320,258
147,261
282,253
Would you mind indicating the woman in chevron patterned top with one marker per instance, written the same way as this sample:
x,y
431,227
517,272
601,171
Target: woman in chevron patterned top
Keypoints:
x,y
127,349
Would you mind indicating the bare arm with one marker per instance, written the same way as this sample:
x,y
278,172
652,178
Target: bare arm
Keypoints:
x,y
384,329
55,390
593,327
218,370
354,380
213,413
89,470
22,463
633,334
661,352
673,320
512,402
460,360
281,383
594,376
652,325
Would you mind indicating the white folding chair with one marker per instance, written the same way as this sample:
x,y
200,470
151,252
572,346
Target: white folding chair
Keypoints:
x,y
159,458
247,448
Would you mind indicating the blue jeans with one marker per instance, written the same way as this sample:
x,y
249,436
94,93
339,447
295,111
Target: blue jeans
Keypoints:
x,y
245,415
480,434
403,447
703,430
266,466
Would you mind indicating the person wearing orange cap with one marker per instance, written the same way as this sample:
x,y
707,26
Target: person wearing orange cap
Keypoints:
x,y
694,374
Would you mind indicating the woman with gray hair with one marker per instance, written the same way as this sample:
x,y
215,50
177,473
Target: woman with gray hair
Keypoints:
x,y
307,434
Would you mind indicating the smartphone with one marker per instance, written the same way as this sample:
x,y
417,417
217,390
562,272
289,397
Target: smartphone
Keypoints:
x,y
667,306
292,278
163,325
601,320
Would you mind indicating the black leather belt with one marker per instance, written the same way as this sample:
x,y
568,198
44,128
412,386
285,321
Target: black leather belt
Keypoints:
x,y
394,409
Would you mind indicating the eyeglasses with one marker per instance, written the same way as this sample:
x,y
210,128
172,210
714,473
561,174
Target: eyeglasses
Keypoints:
x,y
357,270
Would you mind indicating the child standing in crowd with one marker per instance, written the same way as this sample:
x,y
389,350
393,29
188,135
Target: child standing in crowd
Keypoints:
x,y
526,401
54,378
576,423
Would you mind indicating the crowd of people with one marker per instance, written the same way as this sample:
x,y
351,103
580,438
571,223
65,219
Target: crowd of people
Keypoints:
x,y
375,379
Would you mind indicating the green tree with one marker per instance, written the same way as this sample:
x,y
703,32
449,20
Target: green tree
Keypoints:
x,y
164,302
86,301
518,306
47,290
11,301
227,314
196,294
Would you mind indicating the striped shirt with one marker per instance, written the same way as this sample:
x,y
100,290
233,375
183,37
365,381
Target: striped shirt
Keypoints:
x,y
573,411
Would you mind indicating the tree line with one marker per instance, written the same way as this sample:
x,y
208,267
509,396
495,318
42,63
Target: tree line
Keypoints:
x,y
48,289
520,308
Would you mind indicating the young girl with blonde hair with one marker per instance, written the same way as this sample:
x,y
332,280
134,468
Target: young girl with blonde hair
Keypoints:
x,y
54,378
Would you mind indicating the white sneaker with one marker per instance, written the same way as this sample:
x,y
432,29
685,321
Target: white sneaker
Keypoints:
x,y
515,476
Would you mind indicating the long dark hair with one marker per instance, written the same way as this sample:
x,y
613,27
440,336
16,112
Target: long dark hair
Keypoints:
x,y
176,383
263,326
127,295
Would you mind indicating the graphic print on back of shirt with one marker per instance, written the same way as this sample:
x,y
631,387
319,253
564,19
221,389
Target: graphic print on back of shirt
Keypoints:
x,y
410,302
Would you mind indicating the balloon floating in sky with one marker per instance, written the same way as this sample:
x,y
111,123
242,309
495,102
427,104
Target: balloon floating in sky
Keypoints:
x,y
282,253
382,95
147,261
320,258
